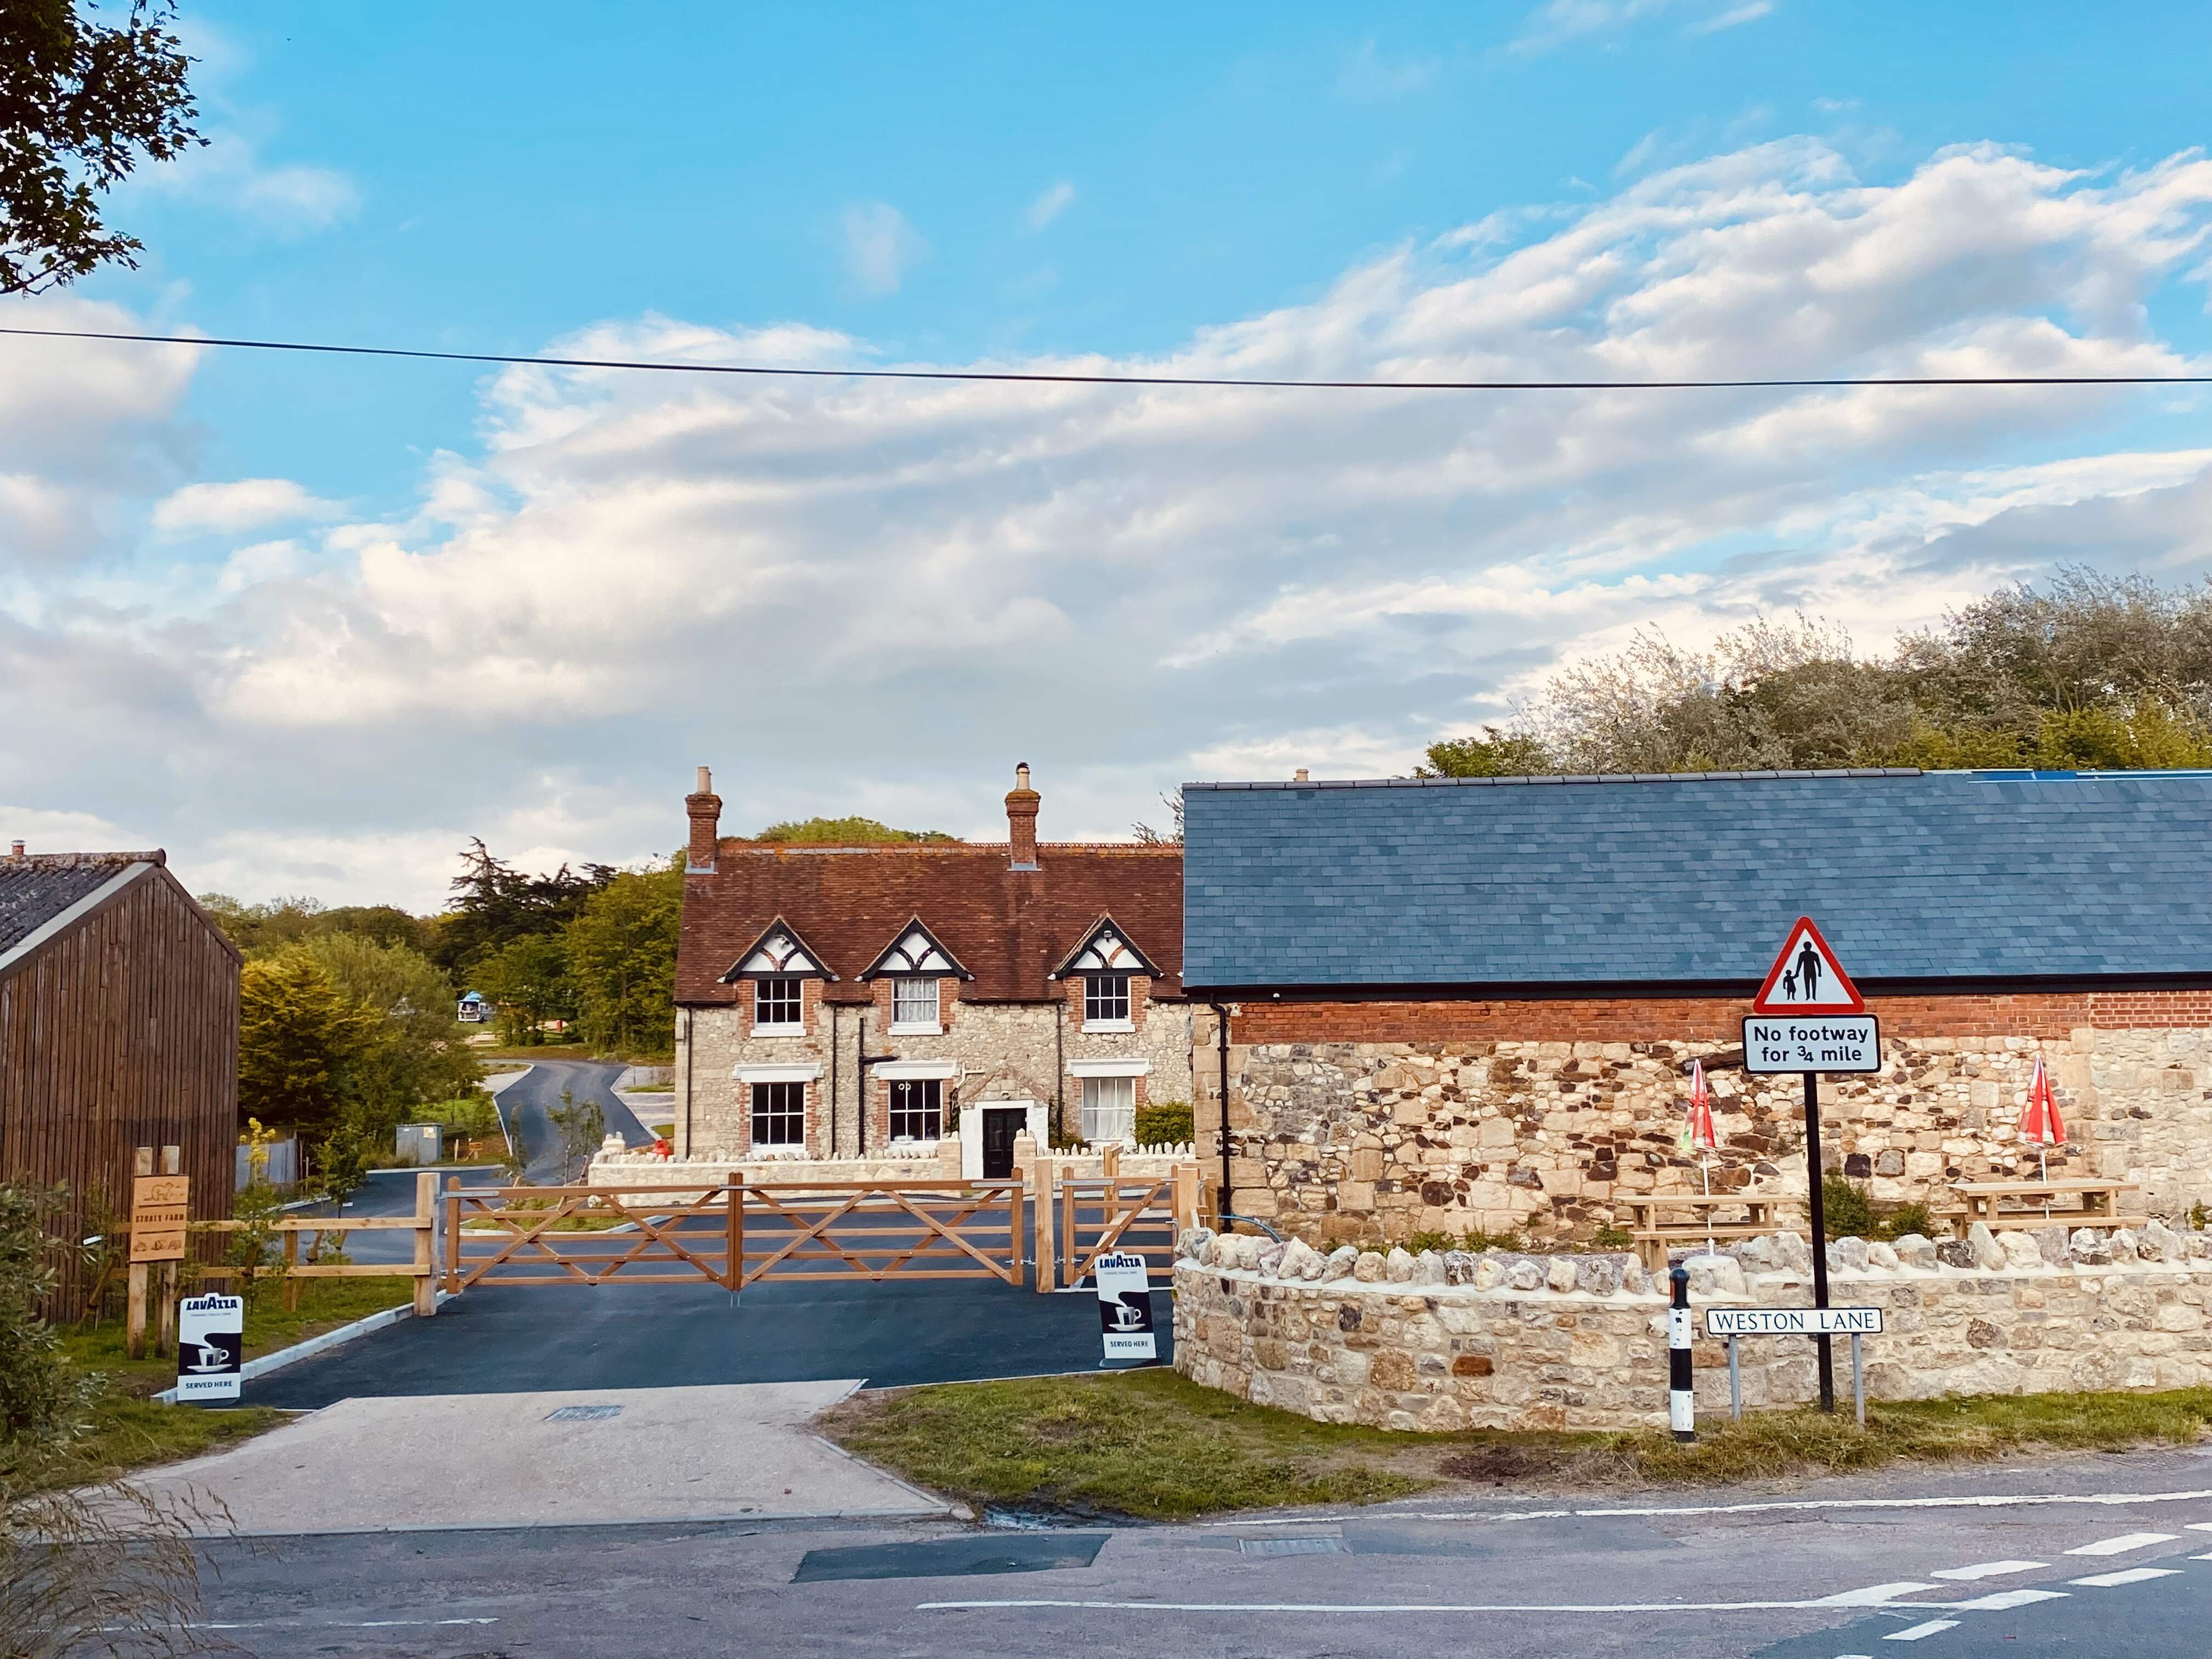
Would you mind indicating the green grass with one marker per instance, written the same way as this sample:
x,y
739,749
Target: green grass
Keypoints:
x,y
1153,1445
131,1430
1149,1444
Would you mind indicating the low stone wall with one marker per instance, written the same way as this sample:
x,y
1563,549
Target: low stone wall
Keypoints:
x,y
1497,1339
939,1161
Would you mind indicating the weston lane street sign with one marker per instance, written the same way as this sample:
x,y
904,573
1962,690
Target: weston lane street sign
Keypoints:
x,y
1793,1321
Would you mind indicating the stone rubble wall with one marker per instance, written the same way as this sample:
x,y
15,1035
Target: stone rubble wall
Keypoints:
x,y
1376,1141
1498,1340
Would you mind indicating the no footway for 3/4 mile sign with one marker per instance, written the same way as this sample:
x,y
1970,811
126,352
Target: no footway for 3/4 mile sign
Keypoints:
x,y
1808,1016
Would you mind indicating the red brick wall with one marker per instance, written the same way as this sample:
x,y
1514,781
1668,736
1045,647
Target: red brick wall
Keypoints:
x,y
1631,1019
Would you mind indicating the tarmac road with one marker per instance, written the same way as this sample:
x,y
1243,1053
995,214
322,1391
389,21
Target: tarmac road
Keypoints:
x,y
524,1106
2001,1560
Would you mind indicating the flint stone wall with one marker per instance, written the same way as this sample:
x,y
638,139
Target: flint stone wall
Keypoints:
x,y
1509,1341
1373,1141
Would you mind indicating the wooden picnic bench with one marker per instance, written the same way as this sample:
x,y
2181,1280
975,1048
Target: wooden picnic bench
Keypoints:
x,y
2082,1202
1653,1236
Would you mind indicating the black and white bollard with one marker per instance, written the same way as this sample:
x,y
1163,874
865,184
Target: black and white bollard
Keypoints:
x,y
1682,1409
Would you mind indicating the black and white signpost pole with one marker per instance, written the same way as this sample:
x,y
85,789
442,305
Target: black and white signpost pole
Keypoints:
x,y
1808,1017
1825,1346
1682,1402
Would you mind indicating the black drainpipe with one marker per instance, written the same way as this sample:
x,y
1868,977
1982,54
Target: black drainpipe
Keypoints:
x,y
690,1034
833,1080
861,1060
1221,1029
1059,1068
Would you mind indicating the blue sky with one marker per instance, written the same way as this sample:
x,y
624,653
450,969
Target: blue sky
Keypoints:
x,y
291,579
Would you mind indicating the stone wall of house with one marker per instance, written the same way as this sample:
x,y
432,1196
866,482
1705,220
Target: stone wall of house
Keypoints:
x,y
1499,1340
1363,1122
1001,1051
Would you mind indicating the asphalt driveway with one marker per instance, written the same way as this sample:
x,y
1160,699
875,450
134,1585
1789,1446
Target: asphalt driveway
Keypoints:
x,y
893,1333
526,1106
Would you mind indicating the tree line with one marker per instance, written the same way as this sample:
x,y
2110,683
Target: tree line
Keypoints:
x,y
2088,671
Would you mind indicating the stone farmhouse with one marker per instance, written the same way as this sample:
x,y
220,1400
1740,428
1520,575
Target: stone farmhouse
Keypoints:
x,y
870,1002
1470,1004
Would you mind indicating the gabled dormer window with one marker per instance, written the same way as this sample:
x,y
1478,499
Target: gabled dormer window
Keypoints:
x,y
913,1006
778,964
916,953
1105,960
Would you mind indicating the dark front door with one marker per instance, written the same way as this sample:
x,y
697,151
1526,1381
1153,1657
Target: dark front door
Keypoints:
x,y
1000,1129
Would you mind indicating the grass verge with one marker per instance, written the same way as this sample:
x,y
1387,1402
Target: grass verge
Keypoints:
x,y
131,1430
1152,1445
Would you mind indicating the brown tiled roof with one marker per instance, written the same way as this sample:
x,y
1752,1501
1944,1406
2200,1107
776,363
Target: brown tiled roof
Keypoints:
x,y
1010,928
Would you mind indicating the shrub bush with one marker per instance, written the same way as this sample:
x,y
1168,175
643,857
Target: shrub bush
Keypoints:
x,y
1847,1211
1168,1123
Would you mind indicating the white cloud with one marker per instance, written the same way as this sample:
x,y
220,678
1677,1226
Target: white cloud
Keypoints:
x,y
1559,22
228,171
247,504
1368,73
880,247
1050,205
870,596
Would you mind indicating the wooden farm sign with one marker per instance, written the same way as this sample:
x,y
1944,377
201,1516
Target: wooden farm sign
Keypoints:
x,y
158,1207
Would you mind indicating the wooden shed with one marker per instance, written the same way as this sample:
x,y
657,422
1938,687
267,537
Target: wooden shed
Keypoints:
x,y
118,1028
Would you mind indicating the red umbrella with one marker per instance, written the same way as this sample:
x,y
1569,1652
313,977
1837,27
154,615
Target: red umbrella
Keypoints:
x,y
1698,1132
1701,1109
2040,1122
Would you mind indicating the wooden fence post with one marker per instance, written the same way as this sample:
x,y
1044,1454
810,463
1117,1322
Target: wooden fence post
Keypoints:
x,y
1186,1197
164,1328
1048,1260
425,1225
291,1261
733,1270
134,1315
1110,1160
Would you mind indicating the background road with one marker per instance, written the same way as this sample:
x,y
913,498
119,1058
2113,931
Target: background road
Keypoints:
x,y
524,1106
1674,1573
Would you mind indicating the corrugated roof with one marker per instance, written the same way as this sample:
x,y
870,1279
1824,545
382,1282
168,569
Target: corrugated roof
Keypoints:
x,y
1009,929
36,887
1695,877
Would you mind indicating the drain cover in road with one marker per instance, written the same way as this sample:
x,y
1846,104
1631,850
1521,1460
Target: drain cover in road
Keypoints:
x,y
952,1558
582,1414
1291,1545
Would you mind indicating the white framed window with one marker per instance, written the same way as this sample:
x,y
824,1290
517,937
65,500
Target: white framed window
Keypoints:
x,y
917,1109
778,1114
1109,1109
913,1006
776,1005
1106,1001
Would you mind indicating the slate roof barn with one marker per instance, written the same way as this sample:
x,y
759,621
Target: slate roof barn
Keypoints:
x,y
1923,881
118,1028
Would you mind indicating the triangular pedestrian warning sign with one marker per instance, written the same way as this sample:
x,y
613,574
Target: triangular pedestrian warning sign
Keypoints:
x,y
1807,979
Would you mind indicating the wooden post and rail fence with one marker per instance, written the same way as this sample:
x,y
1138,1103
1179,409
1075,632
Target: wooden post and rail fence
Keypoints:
x,y
1044,1226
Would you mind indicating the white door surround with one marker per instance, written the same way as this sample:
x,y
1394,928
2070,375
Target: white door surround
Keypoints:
x,y
971,1130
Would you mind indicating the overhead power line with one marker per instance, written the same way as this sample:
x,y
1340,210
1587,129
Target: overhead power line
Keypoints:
x,y
1036,378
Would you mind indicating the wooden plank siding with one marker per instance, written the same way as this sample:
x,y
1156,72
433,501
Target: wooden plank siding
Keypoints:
x,y
118,1033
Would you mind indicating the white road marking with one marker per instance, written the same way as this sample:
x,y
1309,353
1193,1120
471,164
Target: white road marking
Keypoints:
x,y
2005,1599
1990,1501
1425,1607
336,1624
1874,1595
2197,1526
2123,1544
1914,1633
2132,1576
1986,1570
2201,1557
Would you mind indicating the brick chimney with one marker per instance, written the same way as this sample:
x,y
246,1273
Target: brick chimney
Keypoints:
x,y
704,808
15,849
1021,819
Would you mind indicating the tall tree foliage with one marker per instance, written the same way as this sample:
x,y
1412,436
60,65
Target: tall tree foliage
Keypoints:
x,y
80,105
2089,671
622,962
494,904
852,831
297,1035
